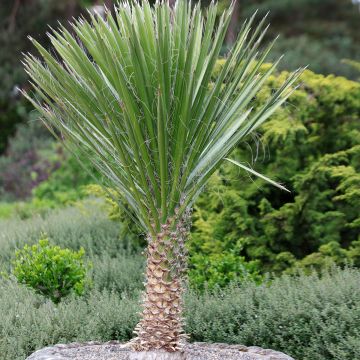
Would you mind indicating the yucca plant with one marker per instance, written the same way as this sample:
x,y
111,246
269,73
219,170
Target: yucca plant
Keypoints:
x,y
133,93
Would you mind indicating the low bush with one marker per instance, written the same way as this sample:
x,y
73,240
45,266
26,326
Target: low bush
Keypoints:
x,y
220,270
123,273
308,317
29,323
50,270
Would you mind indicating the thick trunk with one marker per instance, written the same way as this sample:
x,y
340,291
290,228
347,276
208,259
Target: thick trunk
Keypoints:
x,y
161,325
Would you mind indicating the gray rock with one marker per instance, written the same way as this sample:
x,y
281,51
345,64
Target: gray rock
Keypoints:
x,y
114,350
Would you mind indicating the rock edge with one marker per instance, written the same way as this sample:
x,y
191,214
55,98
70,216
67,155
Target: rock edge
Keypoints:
x,y
192,351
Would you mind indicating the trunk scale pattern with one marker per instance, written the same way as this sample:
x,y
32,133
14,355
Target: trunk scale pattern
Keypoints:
x,y
161,324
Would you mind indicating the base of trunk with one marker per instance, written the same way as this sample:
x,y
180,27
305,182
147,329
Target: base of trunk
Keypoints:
x,y
161,323
156,355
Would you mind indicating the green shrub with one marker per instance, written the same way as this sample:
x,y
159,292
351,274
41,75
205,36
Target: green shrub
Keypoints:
x,y
50,270
308,317
315,147
219,270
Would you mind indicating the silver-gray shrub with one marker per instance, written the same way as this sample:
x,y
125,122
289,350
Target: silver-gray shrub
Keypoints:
x,y
308,317
122,273
29,323
85,225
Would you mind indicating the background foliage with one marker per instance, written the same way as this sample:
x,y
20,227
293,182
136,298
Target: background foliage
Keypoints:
x,y
31,156
312,146
18,19
317,32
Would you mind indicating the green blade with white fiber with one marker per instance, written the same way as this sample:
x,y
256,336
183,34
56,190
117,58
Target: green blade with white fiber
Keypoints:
x,y
134,91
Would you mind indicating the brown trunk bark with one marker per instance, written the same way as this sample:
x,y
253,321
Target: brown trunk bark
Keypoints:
x,y
161,325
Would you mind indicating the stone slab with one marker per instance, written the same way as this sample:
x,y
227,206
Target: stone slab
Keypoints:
x,y
114,350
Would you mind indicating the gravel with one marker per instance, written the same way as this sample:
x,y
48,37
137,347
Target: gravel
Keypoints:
x,y
114,350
